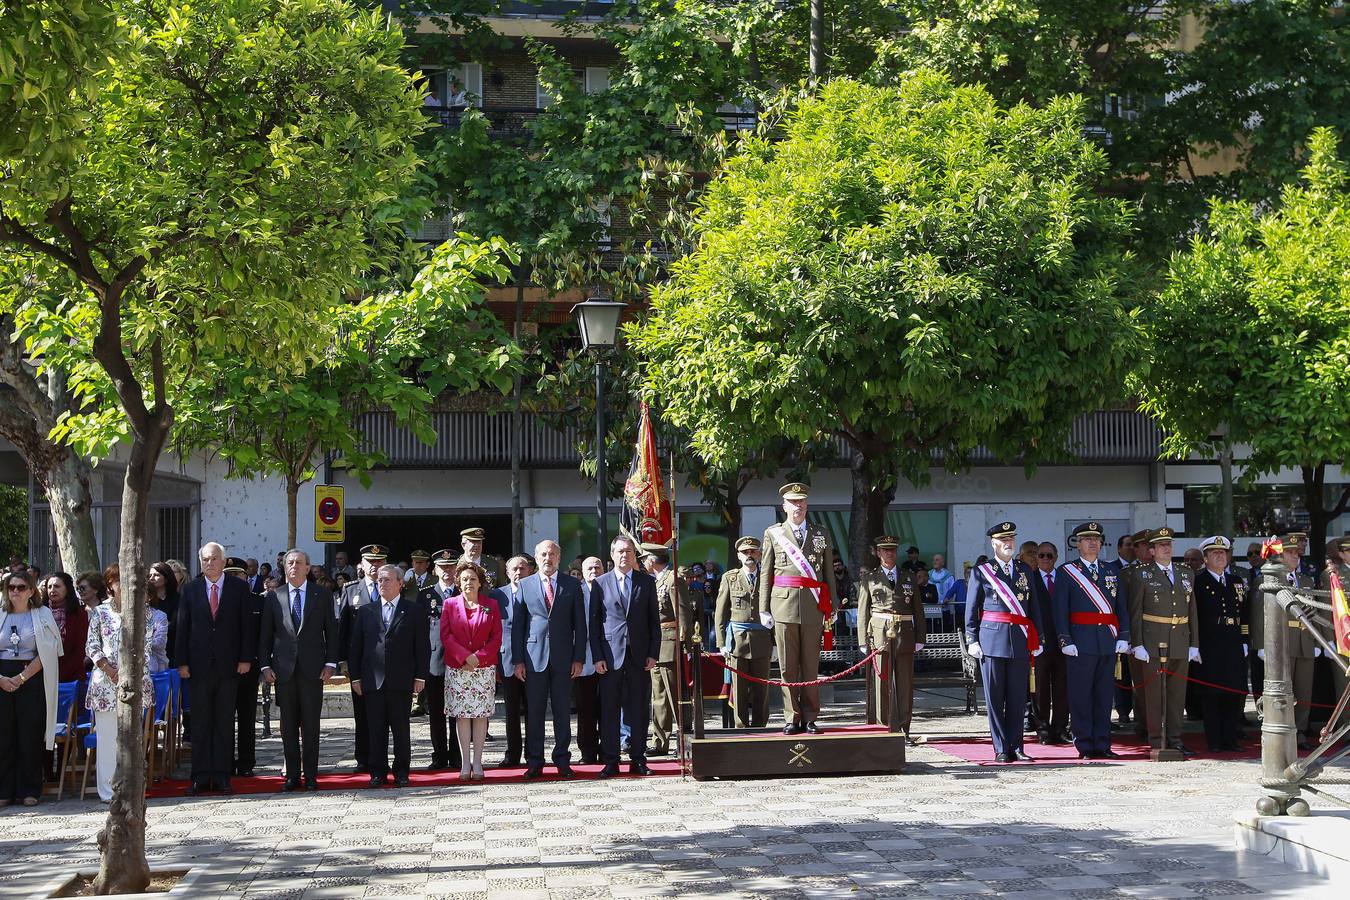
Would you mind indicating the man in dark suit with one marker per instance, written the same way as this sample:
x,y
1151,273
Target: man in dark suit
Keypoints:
x,y
354,596
513,689
548,643
587,688
389,662
444,751
216,645
625,629
246,694
298,651
1050,700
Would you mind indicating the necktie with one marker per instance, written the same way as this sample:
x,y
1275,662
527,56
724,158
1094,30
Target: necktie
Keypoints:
x,y
800,531
1050,581
295,608
1092,567
1168,570
890,573
548,594
374,594
386,614
624,590
753,577
215,600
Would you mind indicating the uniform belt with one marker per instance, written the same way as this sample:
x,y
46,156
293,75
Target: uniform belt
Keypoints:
x,y
891,617
1229,620
1090,618
670,624
1167,620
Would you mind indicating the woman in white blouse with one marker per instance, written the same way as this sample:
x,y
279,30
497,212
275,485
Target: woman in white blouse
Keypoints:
x,y
104,649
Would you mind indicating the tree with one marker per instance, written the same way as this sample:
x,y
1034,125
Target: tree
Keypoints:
x,y
1252,332
913,270
394,351
222,187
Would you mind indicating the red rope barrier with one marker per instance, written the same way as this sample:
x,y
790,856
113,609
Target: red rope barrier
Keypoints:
x,y
1210,684
795,684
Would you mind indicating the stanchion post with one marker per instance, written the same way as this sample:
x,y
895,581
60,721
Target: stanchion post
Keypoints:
x,y
1163,753
697,657
1279,742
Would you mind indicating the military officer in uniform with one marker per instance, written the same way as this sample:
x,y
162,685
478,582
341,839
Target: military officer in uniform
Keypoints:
x,y
1305,563
420,577
354,596
1131,672
1219,606
444,752
676,611
1092,627
1003,632
471,541
1302,650
1166,633
798,589
891,620
747,642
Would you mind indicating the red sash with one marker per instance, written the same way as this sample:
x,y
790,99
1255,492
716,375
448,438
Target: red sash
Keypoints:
x,y
1085,618
1033,638
1095,595
822,591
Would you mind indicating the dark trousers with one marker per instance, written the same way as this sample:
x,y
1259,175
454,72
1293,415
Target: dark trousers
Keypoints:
x,y
1091,684
23,723
1257,667
443,750
362,741
213,704
246,720
301,704
1222,712
1050,704
513,698
552,687
1005,698
587,692
626,693
389,712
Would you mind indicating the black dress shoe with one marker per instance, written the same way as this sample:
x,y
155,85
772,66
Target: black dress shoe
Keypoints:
x,y
403,782
566,771
658,751
534,772
311,784
1021,756
1181,748
1109,754
1044,737
638,768
812,728
290,785
436,765
609,771
245,773
508,763
589,760
376,781
1003,757
792,728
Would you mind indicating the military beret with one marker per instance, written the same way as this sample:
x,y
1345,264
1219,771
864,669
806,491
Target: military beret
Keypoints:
x,y
1217,542
234,564
445,558
795,490
1090,529
747,543
473,534
886,542
1002,530
1161,534
374,552
419,554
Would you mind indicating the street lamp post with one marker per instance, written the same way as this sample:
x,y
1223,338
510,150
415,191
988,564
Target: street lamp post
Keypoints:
x,y
598,322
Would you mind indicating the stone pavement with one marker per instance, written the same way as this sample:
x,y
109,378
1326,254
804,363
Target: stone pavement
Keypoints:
x,y
945,829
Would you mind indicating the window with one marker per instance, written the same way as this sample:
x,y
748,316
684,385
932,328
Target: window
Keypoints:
x,y
596,79
456,87
604,219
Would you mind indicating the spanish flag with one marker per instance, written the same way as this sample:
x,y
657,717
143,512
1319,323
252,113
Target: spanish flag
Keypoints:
x,y
1340,615
646,515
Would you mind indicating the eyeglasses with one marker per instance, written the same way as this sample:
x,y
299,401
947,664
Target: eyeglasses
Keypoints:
x,y
1045,556
17,586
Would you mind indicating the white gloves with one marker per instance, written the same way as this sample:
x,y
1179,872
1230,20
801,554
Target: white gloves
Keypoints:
x,y
918,645
1317,651
974,650
766,619
1069,649
1261,654
1122,647
1244,651
1140,654
1039,651
1193,655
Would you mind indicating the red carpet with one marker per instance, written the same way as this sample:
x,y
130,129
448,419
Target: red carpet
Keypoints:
x,y
1130,748
271,784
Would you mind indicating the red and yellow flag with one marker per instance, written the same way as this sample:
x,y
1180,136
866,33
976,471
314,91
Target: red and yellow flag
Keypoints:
x,y
1340,615
646,515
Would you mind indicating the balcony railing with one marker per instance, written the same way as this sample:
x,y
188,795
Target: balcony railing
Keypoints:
x,y
515,121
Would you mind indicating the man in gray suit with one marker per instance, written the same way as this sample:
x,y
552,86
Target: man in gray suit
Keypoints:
x,y
298,651
354,596
513,689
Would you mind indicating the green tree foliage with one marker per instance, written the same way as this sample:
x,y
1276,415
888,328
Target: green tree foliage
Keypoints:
x,y
914,270
14,528
236,157
1252,334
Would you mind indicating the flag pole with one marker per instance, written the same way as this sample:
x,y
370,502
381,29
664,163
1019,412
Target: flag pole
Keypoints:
x,y
681,747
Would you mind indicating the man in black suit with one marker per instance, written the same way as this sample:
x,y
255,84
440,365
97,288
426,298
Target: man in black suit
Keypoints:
x,y
444,751
354,596
246,694
548,645
625,629
216,644
513,689
298,651
1050,701
389,662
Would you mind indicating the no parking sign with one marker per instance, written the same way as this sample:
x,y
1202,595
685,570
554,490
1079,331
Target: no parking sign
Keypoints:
x,y
330,518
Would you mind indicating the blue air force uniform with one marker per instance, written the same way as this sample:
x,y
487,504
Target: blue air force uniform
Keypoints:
x,y
1005,658
1081,623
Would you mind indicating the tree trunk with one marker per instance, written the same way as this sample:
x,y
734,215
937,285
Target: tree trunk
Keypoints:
x,y
1319,515
817,42
867,517
731,516
292,498
517,426
1227,519
66,485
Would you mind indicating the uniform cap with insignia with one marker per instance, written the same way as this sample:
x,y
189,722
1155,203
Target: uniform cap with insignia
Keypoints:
x,y
747,543
1344,543
1161,534
1139,537
1290,542
1002,530
419,554
473,534
374,552
1297,535
795,490
445,558
1090,529
234,564
660,551
1216,542
887,542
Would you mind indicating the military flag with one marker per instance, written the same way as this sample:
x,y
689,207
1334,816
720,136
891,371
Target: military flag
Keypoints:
x,y
646,515
1340,615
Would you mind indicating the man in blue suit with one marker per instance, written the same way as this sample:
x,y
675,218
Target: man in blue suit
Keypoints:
x,y
1003,632
1092,627
548,647
625,630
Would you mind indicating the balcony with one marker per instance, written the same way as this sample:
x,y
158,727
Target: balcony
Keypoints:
x,y
515,122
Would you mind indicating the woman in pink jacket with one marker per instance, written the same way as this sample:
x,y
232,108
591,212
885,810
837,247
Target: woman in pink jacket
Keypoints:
x,y
471,634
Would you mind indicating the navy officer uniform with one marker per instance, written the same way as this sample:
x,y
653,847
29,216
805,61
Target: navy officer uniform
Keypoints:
x,y
995,636
1090,636
1220,602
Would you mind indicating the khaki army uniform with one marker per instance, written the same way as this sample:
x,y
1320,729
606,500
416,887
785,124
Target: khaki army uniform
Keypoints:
x,y
750,642
1299,648
891,619
493,568
797,620
664,692
1164,622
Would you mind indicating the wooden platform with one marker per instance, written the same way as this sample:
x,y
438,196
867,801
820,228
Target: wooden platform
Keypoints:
x,y
851,750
